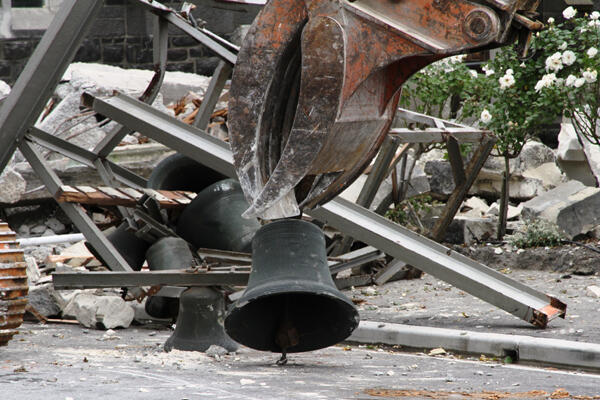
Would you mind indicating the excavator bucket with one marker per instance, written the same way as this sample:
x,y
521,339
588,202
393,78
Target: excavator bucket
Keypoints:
x,y
317,82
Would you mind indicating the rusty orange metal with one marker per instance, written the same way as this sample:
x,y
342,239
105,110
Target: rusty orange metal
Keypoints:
x,y
317,82
13,285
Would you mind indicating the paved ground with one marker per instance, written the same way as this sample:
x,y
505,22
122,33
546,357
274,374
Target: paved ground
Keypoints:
x,y
68,362
65,361
430,302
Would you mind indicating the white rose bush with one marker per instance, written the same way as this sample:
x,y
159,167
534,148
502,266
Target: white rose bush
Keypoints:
x,y
516,98
575,87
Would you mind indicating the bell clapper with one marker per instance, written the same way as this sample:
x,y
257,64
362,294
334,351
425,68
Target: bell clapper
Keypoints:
x,y
283,360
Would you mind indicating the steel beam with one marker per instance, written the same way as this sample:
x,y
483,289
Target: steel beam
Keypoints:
x,y
85,225
107,279
83,156
441,262
185,139
351,219
44,69
160,46
224,49
212,94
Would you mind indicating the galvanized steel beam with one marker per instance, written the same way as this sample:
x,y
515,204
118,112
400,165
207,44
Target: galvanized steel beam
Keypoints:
x,y
44,69
441,262
107,279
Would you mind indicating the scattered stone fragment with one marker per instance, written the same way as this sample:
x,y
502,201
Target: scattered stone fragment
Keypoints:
x,y
103,312
215,351
13,186
43,300
33,271
245,381
437,352
593,291
571,205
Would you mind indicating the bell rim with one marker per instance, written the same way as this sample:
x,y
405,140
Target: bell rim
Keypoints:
x,y
235,315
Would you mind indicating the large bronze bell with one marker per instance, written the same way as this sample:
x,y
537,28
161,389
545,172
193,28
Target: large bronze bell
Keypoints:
x,y
200,322
213,219
291,303
167,253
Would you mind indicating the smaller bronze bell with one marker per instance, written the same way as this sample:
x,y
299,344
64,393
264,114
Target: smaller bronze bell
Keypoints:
x,y
178,172
200,322
132,248
291,303
214,219
167,253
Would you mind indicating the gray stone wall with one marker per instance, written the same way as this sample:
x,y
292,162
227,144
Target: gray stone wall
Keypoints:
x,y
122,36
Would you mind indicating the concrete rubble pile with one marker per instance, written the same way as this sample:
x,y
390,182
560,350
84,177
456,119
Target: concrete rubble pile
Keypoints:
x,y
556,185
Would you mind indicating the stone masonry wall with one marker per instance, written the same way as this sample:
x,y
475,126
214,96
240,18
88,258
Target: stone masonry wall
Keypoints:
x,y
122,36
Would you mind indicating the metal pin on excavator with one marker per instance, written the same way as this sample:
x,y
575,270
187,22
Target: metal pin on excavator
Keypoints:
x,y
317,82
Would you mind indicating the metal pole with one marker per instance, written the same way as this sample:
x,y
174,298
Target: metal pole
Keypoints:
x,y
45,68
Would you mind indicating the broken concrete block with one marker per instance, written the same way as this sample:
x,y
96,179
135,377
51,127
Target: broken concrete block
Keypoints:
x,y
4,90
441,180
593,291
56,226
33,271
572,206
474,207
513,212
549,173
103,312
468,230
571,156
13,186
132,81
533,155
41,297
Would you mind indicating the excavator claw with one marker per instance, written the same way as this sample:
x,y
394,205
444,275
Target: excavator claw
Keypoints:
x,y
317,82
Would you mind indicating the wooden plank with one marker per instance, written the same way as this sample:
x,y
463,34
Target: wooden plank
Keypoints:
x,y
156,195
112,192
174,197
95,197
127,197
132,193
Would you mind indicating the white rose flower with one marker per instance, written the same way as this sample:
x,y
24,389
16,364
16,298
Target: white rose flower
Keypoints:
x,y
522,65
546,81
485,117
592,51
568,57
563,46
595,15
509,71
569,12
473,73
489,72
539,85
506,81
590,76
550,20
579,82
554,62
570,80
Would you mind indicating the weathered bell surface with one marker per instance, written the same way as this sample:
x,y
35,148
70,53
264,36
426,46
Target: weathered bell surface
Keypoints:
x,y
167,253
178,172
291,303
213,219
132,248
200,322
